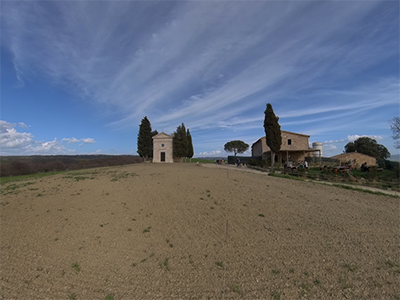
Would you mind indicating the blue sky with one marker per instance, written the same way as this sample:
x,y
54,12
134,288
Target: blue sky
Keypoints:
x,y
77,77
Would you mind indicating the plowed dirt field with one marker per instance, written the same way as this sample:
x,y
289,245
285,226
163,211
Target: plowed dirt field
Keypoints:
x,y
169,231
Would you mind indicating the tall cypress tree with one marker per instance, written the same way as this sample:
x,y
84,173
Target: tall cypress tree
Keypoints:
x,y
180,142
145,141
272,132
190,152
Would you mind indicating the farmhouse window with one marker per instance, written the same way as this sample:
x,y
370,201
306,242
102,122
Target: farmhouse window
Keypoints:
x,y
289,141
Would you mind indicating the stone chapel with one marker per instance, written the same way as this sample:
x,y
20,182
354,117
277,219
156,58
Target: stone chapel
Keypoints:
x,y
163,148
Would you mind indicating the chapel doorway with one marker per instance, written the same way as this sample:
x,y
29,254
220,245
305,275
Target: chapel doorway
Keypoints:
x,y
163,156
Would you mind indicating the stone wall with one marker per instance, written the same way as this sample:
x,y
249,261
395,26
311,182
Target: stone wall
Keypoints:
x,y
256,149
294,141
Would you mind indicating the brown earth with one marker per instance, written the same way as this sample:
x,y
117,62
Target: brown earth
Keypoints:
x,y
158,231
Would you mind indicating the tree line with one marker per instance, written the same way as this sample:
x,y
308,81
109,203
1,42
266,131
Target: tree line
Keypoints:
x,y
181,139
25,165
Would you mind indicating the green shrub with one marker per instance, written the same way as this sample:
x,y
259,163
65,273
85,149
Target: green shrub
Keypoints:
x,y
301,170
257,163
252,162
263,163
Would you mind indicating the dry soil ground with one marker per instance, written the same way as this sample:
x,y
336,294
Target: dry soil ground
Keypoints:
x,y
168,231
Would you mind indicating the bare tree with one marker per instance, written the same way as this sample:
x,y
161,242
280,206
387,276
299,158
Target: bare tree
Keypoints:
x,y
395,127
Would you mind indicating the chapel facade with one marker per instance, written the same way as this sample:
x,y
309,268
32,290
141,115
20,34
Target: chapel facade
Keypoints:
x,y
163,148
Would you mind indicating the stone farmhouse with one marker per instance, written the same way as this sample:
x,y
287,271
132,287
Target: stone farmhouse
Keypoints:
x,y
294,147
163,148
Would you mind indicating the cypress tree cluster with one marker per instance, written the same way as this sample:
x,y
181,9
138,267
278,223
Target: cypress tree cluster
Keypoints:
x,y
182,142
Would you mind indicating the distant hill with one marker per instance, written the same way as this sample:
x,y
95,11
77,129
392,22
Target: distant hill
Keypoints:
x,y
25,165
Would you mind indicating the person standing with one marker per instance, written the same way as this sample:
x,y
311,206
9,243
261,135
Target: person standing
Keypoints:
x,y
364,167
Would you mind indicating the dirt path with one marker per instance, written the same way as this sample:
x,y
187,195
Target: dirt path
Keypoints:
x,y
155,231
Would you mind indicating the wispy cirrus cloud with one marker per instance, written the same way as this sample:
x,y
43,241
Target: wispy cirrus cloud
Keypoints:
x,y
188,51
213,65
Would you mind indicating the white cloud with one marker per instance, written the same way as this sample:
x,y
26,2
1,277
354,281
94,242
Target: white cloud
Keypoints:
x,y
88,141
53,147
23,125
13,142
334,142
70,140
11,139
4,126
75,140
217,152
22,143
354,137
